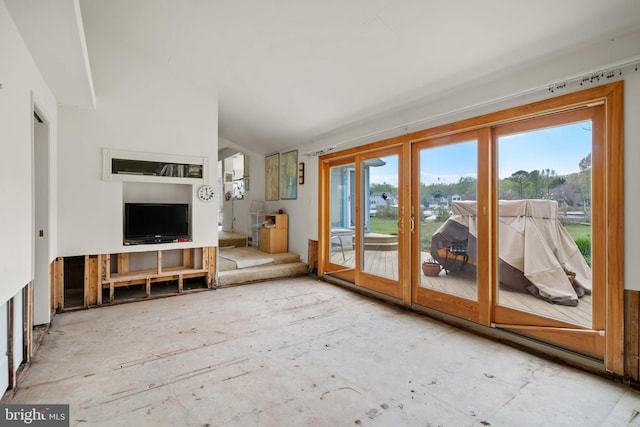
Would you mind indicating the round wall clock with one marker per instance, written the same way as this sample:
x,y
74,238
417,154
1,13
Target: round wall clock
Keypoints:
x,y
206,193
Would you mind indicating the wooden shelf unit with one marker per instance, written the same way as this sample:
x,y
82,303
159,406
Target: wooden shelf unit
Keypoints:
x,y
123,165
275,239
167,169
98,274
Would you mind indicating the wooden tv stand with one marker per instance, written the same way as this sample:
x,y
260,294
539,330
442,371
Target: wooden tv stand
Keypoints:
x,y
106,272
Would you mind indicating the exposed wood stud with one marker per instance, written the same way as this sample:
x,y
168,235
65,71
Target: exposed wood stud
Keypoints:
x,y
211,267
13,380
29,317
53,289
312,261
106,267
123,263
86,286
60,282
102,263
187,258
91,297
632,334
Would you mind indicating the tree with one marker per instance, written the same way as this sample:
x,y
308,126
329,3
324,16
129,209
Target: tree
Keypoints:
x,y
520,178
535,181
547,176
567,195
466,187
585,163
584,180
383,188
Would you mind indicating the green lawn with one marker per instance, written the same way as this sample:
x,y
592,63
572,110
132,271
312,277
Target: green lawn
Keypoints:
x,y
384,226
577,230
390,226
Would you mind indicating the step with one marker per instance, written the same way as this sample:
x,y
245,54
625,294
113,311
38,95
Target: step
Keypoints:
x,y
381,246
261,272
229,238
278,258
380,238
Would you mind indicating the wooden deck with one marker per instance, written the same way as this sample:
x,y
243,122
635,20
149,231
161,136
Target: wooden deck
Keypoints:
x,y
463,284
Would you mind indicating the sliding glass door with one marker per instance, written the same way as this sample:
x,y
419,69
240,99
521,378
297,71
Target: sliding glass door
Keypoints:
x,y
512,220
445,224
342,218
364,231
548,181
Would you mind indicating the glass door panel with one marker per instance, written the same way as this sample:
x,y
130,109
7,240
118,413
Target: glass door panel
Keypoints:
x,y
445,191
379,242
544,222
379,225
342,215
448,227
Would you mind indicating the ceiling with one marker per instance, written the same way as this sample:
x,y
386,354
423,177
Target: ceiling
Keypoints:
x,y
289,71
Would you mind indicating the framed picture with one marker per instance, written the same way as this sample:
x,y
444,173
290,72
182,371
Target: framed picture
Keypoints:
x,y
228,176
272,176
289,175
301,174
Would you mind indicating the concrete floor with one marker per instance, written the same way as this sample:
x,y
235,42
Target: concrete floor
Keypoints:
x,y
301,352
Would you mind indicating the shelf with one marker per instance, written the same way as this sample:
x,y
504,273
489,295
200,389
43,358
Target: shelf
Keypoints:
x,y
149,278
137,166
120,279
95,273
141,167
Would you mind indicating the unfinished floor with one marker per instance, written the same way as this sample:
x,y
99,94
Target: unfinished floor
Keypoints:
x,y
306,353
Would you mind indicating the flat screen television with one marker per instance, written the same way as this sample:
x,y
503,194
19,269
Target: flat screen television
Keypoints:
x,y
155,222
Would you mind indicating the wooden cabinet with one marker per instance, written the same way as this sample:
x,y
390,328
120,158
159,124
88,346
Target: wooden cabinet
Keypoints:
x,y
275,239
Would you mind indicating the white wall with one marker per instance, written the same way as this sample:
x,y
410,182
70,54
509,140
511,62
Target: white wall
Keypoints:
x,y
510,88
142,108
303,212
22,84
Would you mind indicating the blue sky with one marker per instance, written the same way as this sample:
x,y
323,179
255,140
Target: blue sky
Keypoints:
x,y
559,149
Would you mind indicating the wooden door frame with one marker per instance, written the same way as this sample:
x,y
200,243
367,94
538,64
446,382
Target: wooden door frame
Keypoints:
x,y
478,310
395,288
588,340
611,96
324,220
400,289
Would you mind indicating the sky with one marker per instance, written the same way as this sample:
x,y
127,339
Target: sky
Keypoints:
x,y
559,149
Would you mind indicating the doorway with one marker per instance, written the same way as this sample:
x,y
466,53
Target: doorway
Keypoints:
x,y
365,222
42,285
232,175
